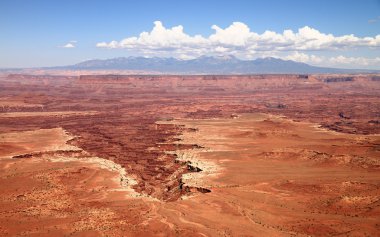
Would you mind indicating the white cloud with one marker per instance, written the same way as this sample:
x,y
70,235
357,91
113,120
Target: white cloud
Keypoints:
x,y
237,34
337,61
361,61
305,58
70,44
237,39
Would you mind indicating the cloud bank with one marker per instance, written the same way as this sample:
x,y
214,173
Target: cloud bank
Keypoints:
x,y
238,40
337,61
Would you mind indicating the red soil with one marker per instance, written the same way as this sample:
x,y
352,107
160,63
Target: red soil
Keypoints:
x,y
115,118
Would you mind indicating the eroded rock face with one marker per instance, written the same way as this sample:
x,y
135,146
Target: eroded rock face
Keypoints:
x,y
205,83
185,143
114,116
154,170
339,79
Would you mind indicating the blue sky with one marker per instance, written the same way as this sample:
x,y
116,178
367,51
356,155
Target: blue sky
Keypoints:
x,y
33,33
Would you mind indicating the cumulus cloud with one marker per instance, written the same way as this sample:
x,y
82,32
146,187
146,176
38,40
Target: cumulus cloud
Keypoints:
x,y
237,39
306,58
340,61
70,44
303,45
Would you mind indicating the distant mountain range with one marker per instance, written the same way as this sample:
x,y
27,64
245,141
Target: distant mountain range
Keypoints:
x,y
207,65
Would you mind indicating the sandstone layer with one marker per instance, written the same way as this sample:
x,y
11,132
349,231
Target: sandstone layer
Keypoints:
x,y
252,155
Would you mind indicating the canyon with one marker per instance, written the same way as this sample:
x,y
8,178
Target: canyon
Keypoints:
x,y
189,155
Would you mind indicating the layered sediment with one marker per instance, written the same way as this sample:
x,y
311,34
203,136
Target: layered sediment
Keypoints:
x,y
275,155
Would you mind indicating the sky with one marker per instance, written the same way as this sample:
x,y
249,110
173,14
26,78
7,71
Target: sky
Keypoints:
x,y
334,33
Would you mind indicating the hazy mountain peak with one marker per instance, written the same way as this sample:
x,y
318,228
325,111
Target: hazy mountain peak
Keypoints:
x,y
228,64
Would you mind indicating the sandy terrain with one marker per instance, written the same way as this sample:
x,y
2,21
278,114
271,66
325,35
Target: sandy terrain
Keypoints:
x,y
276,155
38,114
286,178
